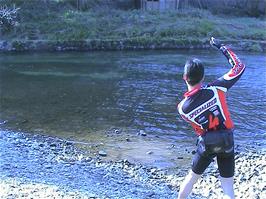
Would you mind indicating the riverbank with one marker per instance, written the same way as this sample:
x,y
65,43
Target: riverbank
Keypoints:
x,y
61,27
125,44
45,167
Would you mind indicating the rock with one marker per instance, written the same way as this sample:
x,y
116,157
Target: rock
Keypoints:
x,y
125,161
142,133
24,121
68,143
92,195
180,158
171,146
87,159
149,153
33,145
150,194
120,182
53,145
3,122
41,145
127,139
48,166
117,131
103,153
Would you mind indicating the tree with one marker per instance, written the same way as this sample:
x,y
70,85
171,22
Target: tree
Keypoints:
x,y
8,17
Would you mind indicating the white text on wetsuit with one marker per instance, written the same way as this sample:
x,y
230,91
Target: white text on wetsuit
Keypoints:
x,y
202,108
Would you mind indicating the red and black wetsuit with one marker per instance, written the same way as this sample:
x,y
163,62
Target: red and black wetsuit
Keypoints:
x,y
205,107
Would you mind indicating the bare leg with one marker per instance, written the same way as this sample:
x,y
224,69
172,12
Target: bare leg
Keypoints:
x,y
228,187
187,185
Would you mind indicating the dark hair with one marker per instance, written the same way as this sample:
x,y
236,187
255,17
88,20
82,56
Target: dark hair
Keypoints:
x,y
194,71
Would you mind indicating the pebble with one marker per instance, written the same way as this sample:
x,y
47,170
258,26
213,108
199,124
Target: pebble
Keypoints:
x,y
103,153
87,159
24,121
117,131
53,145
250,177
48,166
69,143
4,122
41,145
142,133
91,195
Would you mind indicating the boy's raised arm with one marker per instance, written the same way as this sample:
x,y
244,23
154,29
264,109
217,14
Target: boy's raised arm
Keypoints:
x,y
231,77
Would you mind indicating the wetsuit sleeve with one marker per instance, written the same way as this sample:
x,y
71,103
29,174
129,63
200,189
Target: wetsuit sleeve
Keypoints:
x,y
233,75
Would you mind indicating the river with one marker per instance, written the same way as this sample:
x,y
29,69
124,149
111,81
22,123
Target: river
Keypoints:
x,y
105,99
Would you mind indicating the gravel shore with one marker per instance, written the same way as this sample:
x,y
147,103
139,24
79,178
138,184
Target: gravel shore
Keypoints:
x,y
44,167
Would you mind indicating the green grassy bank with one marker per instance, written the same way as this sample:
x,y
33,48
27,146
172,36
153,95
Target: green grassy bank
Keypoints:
x,y
59,26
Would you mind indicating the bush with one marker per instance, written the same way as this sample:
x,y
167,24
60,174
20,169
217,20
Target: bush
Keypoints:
x,y
8,17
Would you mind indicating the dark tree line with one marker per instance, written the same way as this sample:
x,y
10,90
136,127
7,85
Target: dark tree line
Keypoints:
x,y
249,7
8,17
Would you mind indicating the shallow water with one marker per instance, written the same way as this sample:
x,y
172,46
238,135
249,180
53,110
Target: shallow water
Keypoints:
x,y
106,97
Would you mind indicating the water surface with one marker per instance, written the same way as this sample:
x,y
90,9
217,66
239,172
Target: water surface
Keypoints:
x,y
106,97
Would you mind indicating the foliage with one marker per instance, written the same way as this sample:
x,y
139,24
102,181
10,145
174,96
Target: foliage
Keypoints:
x,y
59,20
8,17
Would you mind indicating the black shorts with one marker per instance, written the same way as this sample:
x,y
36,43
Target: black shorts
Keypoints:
x,y
225,158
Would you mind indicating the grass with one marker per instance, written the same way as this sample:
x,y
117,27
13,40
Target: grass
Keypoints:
x,y
64,23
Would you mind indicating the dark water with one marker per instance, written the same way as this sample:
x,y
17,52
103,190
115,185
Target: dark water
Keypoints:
x,y
82,96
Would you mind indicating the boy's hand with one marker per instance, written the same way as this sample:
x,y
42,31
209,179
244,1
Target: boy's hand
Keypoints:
x,y
215,42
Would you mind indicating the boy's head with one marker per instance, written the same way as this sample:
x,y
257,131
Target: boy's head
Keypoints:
x,y
193,71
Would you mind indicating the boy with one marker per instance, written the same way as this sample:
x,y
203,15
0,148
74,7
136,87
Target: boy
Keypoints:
x,y
205,108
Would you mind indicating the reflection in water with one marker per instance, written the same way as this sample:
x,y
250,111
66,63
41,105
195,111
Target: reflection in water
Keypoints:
x,y
81,95
108,75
